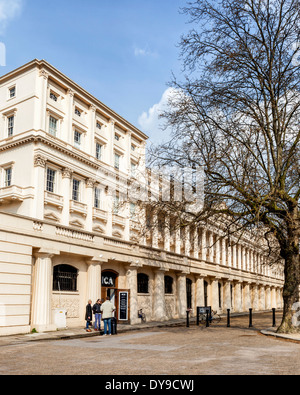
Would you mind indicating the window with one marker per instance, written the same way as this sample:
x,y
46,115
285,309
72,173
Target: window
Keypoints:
x,y
133,169
142,283
76,190
77,112
77,139
116,205
52,126
132,210
98,125
98,151
50,180
12,92
53,96
117,161
11,123
8,177
132,147
168,285
65,278
97,198
117,137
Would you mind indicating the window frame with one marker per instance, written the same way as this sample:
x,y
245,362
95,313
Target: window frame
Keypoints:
x,y
142,283
77,197
53,182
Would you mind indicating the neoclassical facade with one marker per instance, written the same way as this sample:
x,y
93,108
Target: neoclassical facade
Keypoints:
x,y
65,159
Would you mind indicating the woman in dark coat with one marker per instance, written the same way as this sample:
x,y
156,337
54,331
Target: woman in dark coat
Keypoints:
x,y
88,315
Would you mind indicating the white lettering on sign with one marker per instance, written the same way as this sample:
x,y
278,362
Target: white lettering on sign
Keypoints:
x,y
108,281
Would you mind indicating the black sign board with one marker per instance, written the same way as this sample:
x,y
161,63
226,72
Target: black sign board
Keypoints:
x,y
123,306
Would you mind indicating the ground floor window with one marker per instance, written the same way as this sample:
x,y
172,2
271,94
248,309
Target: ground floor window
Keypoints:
x,y
65,278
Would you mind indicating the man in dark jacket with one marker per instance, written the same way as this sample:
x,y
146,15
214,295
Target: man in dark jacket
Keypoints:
x,y
97,312
88,315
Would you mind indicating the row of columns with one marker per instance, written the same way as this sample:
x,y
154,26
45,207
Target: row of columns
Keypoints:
x,y
208,246
236,295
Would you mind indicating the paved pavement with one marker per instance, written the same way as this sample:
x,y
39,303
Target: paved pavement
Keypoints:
x,y
77,333
155,349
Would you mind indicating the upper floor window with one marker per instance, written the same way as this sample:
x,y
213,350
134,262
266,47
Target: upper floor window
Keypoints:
x,y
12,92
77,139
53,125
132,210
50,185
77,112
11,124
98,151
117,161
116,205
76,190
117,137
98,125
8,177
53,96
97,200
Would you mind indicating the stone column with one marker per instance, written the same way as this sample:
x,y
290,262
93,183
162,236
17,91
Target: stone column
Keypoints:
x,y
167,233
227,293
211,247
131,276
199,291
255,298
159,302
215,294
94,280
90,185
196,243
66,188
91,135
238,297
247,297
41,315
203,245
187,243
224,256
181,295
39,186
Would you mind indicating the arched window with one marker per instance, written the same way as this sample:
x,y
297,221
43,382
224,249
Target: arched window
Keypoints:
x,y
142,283
65,278
168,285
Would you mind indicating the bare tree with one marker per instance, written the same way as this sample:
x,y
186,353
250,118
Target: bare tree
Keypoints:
x,y
236,113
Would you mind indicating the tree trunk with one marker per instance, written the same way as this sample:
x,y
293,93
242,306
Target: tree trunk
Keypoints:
x,y
291,288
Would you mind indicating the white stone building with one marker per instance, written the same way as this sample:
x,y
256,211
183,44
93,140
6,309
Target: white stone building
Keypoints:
x,y
63,237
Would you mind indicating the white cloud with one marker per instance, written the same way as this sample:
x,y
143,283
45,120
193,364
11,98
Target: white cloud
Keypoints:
x,y
9,9
152,124
143,52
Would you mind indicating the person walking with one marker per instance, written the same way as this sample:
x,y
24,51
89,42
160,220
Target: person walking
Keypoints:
x,y
107,309
88,316
97,313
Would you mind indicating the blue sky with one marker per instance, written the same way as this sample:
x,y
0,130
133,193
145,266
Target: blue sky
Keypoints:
x,y
121,51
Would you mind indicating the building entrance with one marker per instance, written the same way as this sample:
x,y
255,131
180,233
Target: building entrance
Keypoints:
x,y
119,297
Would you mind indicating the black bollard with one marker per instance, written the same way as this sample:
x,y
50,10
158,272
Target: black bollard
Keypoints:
x,y
187,318
228,318
207,320
274,318
250,318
